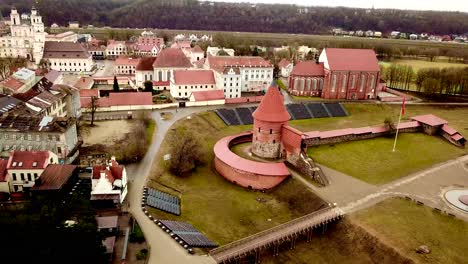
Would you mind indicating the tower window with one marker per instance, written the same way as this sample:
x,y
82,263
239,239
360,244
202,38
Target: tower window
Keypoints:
x,y
258,129
271,131
274,141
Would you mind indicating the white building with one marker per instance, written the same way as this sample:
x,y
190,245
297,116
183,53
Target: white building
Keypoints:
x,y
303,51
109,182
68,57
240,74
27,37
195,54
116,48
166,63
213,51
144,71
73,24
184,82
285,67
125,65
25,167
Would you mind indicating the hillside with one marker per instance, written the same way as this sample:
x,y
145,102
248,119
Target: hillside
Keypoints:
x,y
191,14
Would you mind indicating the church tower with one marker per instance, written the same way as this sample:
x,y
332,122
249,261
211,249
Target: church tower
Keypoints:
x,y
269,118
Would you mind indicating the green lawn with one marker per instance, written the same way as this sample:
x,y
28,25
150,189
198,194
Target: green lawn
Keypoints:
x,y
218,208
150,131
374,162
406,226
418,64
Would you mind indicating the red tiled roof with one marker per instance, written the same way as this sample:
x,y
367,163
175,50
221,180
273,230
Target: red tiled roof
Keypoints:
x,y
112,173
182,44
113,43
141,98
12,83
161,83
352,59
197,49
283,63
52,75
145,64
172,58
89,92
3,169
430,119
208,95
449,130
54,177
28,160
218,63
308,68
124,60
194,77
65,50
84,83
409,124
271,108
199,63
457,137
222,152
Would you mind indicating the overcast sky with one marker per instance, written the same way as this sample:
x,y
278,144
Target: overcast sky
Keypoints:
x,y
451,5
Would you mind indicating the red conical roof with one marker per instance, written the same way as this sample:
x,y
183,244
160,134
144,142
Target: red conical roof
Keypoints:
x,y
271,108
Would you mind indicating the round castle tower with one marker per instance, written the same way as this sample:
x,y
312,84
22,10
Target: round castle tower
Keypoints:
x,y
269,119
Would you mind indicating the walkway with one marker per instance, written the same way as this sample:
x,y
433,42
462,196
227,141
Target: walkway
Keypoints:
x,y
270,236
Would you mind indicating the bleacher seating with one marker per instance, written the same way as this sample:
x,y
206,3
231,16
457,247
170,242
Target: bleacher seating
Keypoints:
x,y
185,231
163,201
228,116
298,111
245,115
335,109
317,110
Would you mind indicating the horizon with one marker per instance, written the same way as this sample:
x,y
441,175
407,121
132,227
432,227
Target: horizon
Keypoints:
x,y
430,5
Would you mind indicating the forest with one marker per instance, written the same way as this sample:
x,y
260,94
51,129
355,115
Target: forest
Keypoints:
x,y
195,15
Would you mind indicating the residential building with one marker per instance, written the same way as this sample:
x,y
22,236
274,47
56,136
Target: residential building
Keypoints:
x,y
166,63
98,52
195,54
25,167
56,180
26,38
20,81
214,51
116,48
285,67
144,70
109,183
35,133
240,74
351,74
68,57
148,45
184,82
73,24
125,65
303,51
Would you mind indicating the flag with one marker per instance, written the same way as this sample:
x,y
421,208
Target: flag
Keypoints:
x,y
403,106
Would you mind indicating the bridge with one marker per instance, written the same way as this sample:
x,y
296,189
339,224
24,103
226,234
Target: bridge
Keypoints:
x,y
272,238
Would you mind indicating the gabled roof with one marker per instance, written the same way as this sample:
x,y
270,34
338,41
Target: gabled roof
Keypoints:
x,y
26,160
271,108
8,103
208,95
112,172
54,177
429,119
172,58
218,63
194,77
283,63
352,59
197,49
145,64
308,68
69,50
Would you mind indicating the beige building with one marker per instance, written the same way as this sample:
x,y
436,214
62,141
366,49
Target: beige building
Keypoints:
x,y
68,57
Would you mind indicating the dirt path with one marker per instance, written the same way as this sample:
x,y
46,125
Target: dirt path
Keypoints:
x,y
106,132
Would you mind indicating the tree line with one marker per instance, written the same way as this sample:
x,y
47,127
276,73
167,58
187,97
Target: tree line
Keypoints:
x,y
442,81
192,14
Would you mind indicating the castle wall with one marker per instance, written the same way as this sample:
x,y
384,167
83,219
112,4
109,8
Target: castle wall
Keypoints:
x,y
266,139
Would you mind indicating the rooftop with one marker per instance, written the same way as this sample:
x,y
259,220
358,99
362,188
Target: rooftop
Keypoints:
x,y
89,93
56,50
271,108
84,83
107,221
194,77
27,160
283,63
308,68
23,123
8,103
172,58
54,177
431,120
352,59
208,95
145,64
124,60
12,84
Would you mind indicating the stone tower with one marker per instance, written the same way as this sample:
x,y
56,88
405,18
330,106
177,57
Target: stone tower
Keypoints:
x,y
269,119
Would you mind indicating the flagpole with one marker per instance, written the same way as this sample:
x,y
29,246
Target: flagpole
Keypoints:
x,y
398,128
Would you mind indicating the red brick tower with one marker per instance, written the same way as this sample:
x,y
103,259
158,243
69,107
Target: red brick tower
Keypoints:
x,y
269,119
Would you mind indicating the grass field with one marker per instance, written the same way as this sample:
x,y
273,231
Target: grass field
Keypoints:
x,y
374,162
418,64
223,211
150,131
406,226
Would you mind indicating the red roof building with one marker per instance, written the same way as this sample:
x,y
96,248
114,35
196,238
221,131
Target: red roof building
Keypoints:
x,y
54,177
11,86
283,63
109,182
271,108
29,160
306,79
193,77
171,58
126,65
89,93
201,96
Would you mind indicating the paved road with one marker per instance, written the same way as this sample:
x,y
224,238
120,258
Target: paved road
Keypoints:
x,y
163,248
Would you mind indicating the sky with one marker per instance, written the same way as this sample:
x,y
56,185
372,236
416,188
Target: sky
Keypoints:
x,y
446,5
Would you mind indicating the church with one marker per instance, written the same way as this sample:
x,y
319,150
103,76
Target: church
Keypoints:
x,y
344,74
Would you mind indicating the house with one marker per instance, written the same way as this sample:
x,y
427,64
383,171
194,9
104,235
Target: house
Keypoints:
x,y
35,133
98,52
285,67
195,54
165,64
108,184
125,65
56,180
144,70
54,25
184,82
148,46
71,106
26,38
73,24
351,74
306,79
413,36
237,74
214,51
303,51
369,33
116,48
20,81
120,101
395,34
68,57
208,97
377,34
25,167
84,83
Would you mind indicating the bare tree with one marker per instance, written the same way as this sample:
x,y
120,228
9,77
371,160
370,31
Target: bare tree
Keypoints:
x,y
94,104
185,152
6,64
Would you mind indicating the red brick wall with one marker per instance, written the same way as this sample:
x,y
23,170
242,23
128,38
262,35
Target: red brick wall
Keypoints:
x,y
350,92
291,139
245,179
308,90
264,143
